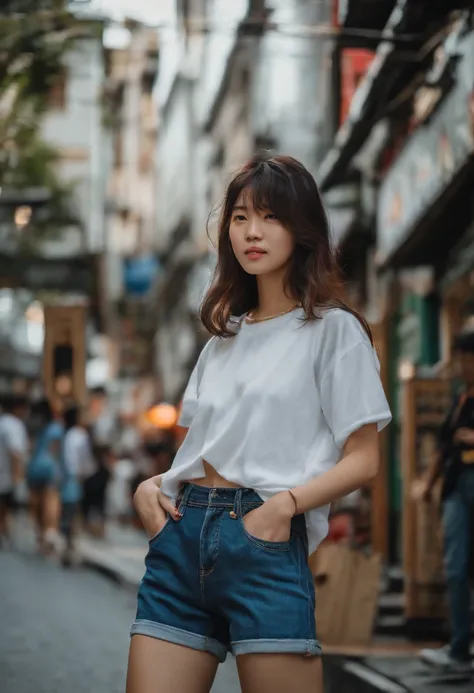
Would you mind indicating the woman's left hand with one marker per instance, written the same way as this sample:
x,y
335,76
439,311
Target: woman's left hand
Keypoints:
x,y
272,520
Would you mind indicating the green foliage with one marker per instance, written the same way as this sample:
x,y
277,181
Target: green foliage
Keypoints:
x,y
34,40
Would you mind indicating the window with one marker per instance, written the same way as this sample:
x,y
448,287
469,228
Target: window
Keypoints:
x,y
57,93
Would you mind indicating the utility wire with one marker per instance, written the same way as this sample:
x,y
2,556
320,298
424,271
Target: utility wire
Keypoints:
x,y
322,30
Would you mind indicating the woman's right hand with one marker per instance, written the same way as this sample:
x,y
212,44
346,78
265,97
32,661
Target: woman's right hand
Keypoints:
x,y
153,507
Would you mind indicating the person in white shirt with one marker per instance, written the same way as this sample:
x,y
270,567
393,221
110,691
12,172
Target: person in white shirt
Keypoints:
x,y
77,465
13,453
283,412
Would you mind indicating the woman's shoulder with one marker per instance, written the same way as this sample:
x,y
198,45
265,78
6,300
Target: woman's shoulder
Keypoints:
x,y
336,332
234,326
235,322
341,322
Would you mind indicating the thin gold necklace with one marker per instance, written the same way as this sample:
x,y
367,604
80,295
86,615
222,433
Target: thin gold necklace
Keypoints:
x,y
249,318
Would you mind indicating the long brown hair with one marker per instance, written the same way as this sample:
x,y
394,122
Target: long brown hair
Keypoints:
x,y
284,186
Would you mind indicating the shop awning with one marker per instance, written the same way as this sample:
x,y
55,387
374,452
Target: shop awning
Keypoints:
x,y
389,74
428,190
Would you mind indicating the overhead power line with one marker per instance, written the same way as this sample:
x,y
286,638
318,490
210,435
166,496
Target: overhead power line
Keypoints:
x,y
321,30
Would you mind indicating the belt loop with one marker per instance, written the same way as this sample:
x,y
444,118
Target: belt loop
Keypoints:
x,y
183,500
238,502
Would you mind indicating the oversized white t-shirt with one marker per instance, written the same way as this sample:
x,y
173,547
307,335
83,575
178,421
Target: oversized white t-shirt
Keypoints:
x,y
272,407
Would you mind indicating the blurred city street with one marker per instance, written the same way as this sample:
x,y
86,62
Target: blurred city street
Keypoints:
x,y
122,123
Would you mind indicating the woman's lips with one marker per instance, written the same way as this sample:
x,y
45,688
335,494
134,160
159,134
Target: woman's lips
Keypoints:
x,y
255,254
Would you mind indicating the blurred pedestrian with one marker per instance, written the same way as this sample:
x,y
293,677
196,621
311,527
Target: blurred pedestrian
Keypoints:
x,y
95,490
454,464
44,476
103,421
160,453
13,454
288,386
143,469
77,465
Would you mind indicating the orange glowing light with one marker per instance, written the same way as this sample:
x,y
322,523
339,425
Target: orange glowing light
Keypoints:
x,y
163,416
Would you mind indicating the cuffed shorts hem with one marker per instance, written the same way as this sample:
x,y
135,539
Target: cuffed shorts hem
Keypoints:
x,y
161,631
309,648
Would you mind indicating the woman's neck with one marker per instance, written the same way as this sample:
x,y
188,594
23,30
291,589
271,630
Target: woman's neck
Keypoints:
x,y
272,298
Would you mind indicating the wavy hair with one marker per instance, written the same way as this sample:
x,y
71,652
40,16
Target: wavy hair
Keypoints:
x,y
284,186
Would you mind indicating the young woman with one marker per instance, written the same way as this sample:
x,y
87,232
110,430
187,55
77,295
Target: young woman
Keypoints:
x,y
43,476
278,397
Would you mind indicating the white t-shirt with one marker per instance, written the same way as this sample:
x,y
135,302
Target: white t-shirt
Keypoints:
x,y
272,407
13,439
78,458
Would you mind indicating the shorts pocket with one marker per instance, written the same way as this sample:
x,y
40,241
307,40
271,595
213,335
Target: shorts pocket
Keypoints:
x,y
271,546
152,541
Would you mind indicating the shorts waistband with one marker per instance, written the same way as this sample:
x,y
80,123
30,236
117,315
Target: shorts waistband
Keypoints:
x,y
230,498
236,499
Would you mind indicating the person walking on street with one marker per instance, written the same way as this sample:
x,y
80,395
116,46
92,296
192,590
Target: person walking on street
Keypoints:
x,y
95,491
13,453
454,463
77,465
287,387
43,477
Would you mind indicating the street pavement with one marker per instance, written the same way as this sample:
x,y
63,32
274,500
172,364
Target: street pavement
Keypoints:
x,y
66,630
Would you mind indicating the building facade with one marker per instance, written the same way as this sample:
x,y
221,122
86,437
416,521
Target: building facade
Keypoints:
x,y
131,239
74,125
221,98
405,146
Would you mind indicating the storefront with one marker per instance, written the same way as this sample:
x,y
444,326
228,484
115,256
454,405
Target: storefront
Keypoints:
x,y
424,217
434,163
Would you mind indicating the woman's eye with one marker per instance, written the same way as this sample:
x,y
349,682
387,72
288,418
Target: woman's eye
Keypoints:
x,y
272,217
239,217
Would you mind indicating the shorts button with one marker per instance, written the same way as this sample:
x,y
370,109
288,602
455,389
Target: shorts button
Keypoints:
x,y
233,515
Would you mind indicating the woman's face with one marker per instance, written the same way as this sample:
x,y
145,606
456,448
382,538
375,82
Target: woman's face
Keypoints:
x,y
261,244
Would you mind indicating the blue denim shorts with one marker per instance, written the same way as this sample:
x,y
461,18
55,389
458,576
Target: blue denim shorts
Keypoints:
x,y
211,586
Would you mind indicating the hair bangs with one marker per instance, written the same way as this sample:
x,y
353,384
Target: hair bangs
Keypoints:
x,y
264,188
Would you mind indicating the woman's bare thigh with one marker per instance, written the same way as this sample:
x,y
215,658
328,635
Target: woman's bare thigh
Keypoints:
x,y
280,673
157,666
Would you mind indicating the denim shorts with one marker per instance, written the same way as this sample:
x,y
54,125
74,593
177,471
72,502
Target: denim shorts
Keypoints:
x,y
211,586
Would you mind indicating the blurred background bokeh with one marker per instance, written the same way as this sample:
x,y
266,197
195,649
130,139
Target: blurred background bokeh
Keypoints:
x,y
121,123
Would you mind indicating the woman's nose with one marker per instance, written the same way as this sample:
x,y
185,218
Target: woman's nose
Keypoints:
x,y
253,231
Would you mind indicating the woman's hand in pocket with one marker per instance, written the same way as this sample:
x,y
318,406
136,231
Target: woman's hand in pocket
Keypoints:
x,y
153,507
272,520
